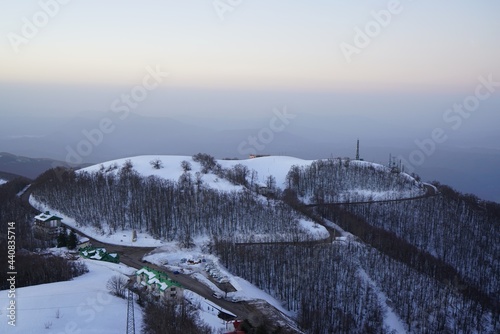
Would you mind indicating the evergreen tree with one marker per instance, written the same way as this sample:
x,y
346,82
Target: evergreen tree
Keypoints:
x,y
72,240
62,238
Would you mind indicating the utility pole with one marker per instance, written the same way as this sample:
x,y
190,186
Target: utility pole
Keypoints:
x,y
130,313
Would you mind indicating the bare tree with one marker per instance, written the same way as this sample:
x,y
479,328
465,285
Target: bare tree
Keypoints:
x,y
186,166
156,163
117,285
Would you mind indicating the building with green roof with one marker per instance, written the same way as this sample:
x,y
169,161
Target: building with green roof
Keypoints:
x,y
99,254
158,283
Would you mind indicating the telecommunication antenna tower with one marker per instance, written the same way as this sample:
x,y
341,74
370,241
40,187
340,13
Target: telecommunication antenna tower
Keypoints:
x,y
357,150
393,164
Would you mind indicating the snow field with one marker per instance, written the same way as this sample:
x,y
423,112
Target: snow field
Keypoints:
x,y
82,305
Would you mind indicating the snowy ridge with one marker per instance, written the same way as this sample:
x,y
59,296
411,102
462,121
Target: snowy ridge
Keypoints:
x,y
277,166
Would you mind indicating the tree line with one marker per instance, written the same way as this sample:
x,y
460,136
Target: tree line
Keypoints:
x,y
345,180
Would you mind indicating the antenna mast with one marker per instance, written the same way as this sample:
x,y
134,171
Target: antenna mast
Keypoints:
x,y
357,150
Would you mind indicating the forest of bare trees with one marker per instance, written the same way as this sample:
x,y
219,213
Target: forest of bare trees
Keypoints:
x,y
345,180
171,210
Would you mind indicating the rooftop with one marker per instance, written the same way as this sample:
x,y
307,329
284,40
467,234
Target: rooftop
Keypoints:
x,y
158,277
46,216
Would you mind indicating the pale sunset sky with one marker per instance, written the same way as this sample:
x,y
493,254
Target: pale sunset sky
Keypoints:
x,y
277,44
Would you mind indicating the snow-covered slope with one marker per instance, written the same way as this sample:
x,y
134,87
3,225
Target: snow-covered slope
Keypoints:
x,y
2,181
278,166
82,305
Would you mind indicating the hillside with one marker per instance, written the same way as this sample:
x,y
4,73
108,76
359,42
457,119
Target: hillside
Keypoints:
x,y
404,261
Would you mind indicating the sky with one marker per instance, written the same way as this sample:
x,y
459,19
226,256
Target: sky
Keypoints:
x,y
382,71
279,45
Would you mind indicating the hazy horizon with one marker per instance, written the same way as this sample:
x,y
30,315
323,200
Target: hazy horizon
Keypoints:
x,y
390,73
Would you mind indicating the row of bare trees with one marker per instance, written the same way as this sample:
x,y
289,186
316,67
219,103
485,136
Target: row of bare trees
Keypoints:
x,y
342,180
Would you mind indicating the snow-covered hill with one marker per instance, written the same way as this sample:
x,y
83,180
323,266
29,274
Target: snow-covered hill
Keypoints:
x,y
264,167
178,198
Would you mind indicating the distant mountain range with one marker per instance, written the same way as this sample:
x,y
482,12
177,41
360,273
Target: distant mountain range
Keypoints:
x,y
469,164
137,135
14,165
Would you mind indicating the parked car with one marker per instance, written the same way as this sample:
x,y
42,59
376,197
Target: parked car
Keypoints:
x,y
217,295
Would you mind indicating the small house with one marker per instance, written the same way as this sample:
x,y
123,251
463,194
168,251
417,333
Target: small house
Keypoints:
x,y
47,226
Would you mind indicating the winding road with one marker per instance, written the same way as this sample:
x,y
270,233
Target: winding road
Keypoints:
x,y
430,191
